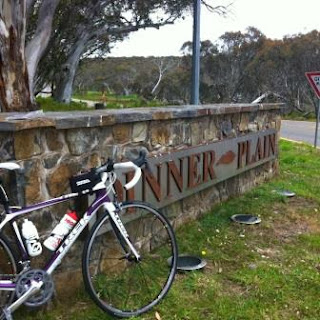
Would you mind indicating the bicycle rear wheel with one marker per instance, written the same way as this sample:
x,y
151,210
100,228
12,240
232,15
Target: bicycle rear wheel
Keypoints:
x,y
8,270
116,281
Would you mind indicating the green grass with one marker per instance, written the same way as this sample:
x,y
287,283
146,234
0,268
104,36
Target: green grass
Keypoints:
x,y
49,104
111,101
265,271
299,116
99,96
117,101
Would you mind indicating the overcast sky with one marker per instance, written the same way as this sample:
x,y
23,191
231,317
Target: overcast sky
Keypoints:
x,y
274,18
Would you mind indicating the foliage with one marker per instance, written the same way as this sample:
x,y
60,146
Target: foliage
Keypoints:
x,y
95,27
239,67
123,76
59,34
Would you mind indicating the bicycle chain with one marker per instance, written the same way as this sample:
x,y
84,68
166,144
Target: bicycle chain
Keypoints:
x,y
4,276
46,291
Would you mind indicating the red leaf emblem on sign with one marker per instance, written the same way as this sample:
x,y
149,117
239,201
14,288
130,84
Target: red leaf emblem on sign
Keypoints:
x,y
227,158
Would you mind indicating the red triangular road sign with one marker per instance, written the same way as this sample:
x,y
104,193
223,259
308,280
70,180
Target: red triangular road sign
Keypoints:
x,y
314,80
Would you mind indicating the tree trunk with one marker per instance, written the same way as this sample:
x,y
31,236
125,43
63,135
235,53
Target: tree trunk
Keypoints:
x,y
67,74
14,85
37,45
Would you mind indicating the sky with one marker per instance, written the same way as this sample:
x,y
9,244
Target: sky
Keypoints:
x,y
274,18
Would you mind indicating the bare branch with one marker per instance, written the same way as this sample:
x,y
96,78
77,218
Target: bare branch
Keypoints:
x,y
220,10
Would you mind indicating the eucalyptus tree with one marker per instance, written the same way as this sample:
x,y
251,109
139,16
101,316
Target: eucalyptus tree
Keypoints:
x,y
282,64
77,28
98,25
237,53
21,52
224,73
14,86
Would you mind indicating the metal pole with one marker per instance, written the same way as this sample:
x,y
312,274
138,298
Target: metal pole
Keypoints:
x,y
196,53
317,125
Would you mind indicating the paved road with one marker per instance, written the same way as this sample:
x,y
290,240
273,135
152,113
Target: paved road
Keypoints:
x,y
299,131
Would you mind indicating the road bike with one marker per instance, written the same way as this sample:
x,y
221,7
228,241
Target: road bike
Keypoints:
x,y
125,256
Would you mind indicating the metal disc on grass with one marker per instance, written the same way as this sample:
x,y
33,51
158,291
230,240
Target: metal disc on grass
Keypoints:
x,y
286,193
189,263
245,218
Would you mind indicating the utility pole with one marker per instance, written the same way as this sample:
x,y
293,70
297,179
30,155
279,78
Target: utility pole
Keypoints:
x,y
196,53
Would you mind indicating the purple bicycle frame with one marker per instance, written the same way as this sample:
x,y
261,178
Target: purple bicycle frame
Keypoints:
x,y
61,251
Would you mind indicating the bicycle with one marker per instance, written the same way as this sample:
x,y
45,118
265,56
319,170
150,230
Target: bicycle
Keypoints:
x,y
125,257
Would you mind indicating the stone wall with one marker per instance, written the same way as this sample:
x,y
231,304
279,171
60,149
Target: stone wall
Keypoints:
x,y
53,146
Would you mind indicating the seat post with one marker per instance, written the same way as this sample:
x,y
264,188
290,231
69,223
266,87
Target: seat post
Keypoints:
x,y
20,183
4,198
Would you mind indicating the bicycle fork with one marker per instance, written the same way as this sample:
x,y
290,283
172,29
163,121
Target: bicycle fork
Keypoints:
x,y
120,230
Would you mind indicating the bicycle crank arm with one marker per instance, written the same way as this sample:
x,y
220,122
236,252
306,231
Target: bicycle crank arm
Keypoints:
x,y
34,288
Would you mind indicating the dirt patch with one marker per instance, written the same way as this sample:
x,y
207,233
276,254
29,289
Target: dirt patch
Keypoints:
x,y
234,289
295,217
268,252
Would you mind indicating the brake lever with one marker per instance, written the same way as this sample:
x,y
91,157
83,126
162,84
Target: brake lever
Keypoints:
x,y
141,160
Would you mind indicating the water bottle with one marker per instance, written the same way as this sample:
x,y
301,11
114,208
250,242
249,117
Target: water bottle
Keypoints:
x,y
31,236
61,230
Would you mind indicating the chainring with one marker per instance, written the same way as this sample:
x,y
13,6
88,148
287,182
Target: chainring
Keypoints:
x,y
46,290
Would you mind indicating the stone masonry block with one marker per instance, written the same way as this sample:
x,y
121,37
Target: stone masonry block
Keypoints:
x,y
58,179
122,133
139,132
33,175
54,140
27,144
160,134
6,147
82,141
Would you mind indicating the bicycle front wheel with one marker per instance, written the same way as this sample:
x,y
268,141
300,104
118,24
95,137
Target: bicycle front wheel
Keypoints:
x,y
116,281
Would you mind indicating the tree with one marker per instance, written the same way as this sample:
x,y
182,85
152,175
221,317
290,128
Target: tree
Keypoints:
x,y
18,61
14,85
39,41
99,25
163,64
280,67
95,24
103,24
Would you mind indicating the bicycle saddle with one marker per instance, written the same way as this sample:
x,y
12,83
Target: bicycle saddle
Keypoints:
x,y
9,166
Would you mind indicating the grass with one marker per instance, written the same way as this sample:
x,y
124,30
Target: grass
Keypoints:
x,y
299,116
265,271
49,104
113,101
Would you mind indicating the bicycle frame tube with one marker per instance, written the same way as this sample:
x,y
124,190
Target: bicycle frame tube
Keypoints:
x,y
101,198
15,213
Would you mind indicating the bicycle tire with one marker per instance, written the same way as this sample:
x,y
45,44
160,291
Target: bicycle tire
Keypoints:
x,y
130,282
9,268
